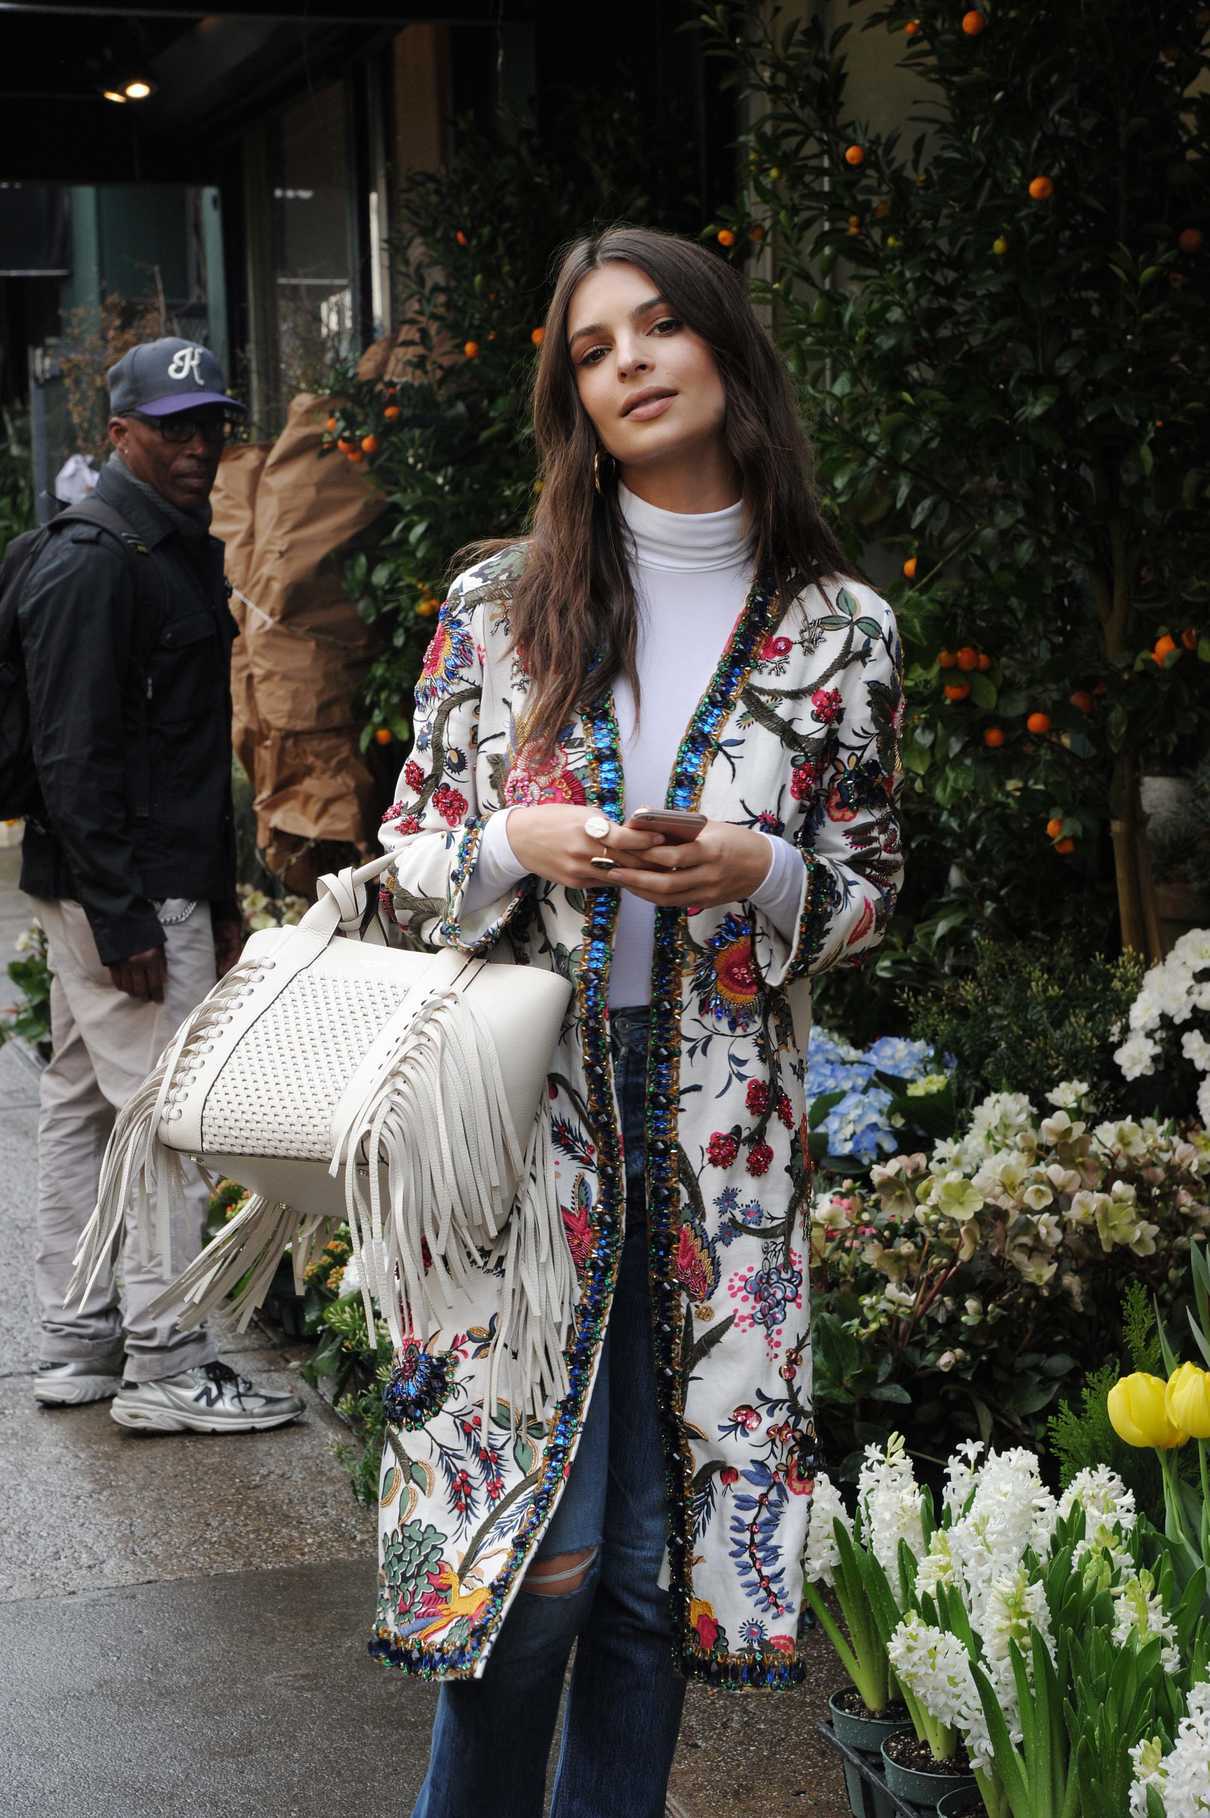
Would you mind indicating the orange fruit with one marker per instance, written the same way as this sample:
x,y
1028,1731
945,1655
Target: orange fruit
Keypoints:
x,y
911,28
537,336
1054,828
909,568
1041,189
391,412
725,237
854,156
1163,647
957,691
354,455
945,659
331,423
345,444
967,658
993,738
369,444
383,735
756,232
985,661
460,237
881,210
426,608
1038,723
1190,239
471,350
1065,846
1189,638
1083,700
973,23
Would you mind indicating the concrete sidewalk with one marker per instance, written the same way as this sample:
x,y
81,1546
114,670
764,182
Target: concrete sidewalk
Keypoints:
x,y
183,1618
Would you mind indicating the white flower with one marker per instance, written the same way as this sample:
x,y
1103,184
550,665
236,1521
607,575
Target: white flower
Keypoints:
x,y
936,1668
961,1473
1140,1614
1136,1056
891,1502
1182,1777
1015,1604
1069,1093
1011,1509
823,1555
1196,1048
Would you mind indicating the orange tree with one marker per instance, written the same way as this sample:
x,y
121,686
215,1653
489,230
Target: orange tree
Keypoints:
x,y
445,430
1000,332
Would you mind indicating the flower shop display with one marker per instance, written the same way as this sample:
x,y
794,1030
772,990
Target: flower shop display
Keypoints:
x,y
973,1281
1169,1026
1049,1637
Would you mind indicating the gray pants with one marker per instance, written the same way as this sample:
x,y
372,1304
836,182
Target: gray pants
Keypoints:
x,y
105,1043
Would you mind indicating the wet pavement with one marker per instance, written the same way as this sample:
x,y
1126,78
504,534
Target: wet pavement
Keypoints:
x,y
183,1617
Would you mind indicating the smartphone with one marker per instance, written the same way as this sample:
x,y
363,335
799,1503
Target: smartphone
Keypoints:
x,y
675,825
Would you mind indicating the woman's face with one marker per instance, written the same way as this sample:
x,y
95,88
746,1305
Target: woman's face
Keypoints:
x,y
648,382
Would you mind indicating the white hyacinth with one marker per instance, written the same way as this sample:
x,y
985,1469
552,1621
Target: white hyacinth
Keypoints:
x,y
1140,1615
1015,1604
1109,1514
936,1669
1012,1509
1182,1777
891,1503
822,1555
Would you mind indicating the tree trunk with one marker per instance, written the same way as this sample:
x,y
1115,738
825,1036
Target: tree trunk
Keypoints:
x,y
1137,912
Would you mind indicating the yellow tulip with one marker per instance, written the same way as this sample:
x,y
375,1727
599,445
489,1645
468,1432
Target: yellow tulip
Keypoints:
x,y
1137,1411
1187,1400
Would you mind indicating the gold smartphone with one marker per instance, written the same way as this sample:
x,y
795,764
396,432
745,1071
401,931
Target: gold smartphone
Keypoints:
x,y
677,826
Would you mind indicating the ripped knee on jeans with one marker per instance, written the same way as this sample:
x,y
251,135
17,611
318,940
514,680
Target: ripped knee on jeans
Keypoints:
x,y
561,1575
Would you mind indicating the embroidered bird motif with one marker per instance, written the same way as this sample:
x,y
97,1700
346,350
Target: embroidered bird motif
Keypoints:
x,y
446,1601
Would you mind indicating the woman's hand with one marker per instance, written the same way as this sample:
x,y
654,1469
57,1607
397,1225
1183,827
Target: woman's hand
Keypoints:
x,y
550,841
724,864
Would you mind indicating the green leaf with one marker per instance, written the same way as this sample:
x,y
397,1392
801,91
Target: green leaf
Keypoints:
x,y
983,690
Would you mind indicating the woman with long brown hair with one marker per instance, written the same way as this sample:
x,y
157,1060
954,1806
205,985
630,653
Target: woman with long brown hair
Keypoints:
x,y
679,632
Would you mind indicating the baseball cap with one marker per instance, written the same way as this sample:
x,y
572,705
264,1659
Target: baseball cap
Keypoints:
x,y
157,378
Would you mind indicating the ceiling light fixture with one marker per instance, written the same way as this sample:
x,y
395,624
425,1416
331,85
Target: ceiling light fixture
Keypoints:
x,y
114,94
138,89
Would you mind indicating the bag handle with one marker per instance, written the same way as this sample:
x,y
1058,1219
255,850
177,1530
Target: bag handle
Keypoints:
x,y
340,899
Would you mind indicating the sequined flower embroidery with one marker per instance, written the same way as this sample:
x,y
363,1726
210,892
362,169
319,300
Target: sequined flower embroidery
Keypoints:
x,y
451,651
765,1295
725,977
695,1263
543,779
419,1386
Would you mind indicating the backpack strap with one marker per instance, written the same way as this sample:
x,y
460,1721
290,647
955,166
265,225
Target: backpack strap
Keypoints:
x,y
99,512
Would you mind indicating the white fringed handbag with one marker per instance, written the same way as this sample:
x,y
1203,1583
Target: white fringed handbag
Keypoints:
x,y
339,1079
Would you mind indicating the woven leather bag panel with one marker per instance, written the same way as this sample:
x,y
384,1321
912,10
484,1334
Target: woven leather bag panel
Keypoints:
x,y
277,1092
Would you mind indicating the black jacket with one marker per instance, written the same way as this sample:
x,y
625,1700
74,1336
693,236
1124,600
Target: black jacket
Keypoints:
x,y
129,678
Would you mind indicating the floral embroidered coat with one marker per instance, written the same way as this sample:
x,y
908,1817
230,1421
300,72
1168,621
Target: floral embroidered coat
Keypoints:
x,y
797,733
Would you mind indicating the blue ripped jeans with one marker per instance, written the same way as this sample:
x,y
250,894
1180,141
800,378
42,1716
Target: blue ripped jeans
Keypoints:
x,y
491,1738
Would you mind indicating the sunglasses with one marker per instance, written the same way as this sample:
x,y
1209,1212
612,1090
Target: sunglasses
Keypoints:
x,y
183,425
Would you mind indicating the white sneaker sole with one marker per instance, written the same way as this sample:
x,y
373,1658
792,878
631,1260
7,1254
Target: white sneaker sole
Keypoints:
x,y
168,1420
75,1391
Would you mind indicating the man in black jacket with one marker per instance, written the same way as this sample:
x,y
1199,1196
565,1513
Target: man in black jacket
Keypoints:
x,y
130,857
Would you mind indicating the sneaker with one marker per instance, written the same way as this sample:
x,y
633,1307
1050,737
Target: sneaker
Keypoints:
x,y
210,1398
68,1385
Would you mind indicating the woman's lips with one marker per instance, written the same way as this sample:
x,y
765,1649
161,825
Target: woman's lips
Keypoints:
x,y
654,407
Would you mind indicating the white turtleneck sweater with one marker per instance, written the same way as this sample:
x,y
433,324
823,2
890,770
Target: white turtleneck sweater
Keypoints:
x,y
692,574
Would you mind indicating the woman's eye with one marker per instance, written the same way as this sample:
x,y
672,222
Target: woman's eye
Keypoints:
x,y
592,357
666,325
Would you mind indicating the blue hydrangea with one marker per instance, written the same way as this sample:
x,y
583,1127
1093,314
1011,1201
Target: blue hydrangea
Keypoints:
x,y
858,1124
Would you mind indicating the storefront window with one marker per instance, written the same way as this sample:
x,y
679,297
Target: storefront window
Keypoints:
x,y
312,238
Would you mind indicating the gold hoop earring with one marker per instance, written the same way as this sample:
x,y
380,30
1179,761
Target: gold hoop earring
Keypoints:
x,y
596,468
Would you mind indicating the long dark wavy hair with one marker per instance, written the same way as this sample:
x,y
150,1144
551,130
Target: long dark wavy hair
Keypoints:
x,y
573,610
